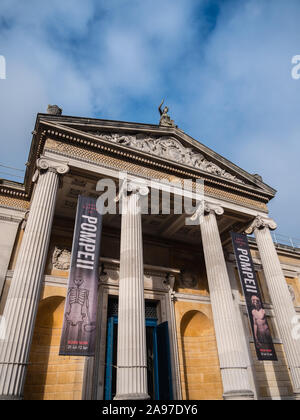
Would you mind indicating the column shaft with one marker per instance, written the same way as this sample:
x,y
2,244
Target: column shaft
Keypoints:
x,y
231,354
23,298
131,357
9,224
282,303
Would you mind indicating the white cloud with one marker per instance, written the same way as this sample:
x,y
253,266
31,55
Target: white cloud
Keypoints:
x,y
244,103
228,85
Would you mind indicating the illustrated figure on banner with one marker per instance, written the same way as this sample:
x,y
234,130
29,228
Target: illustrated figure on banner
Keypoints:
x,y
261,329
77,315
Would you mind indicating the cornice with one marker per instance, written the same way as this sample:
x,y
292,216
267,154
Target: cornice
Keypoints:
x,y
13,192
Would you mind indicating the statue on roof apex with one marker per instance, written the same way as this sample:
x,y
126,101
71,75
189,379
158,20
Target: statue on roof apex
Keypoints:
x,y
165,119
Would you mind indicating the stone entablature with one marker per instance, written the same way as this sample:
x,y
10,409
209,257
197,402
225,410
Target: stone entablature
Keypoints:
x,y
84,152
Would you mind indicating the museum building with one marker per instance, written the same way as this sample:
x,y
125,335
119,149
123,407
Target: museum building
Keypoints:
x,y
186,331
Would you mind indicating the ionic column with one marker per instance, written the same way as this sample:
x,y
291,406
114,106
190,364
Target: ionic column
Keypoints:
x,y
131,357
280,296
23,298
232,360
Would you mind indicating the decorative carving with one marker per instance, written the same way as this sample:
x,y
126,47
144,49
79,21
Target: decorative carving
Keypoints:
x,y
292,292
169,148
61,258
169,281
261,223
110,274
24,221
173,296
188,279
165,119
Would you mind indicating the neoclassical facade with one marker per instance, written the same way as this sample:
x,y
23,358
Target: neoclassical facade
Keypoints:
x,y
172,320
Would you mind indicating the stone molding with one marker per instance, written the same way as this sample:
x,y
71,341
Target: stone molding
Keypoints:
x,y
10,215
9,219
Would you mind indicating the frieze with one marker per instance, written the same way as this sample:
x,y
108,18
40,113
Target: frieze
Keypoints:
x,y
169,148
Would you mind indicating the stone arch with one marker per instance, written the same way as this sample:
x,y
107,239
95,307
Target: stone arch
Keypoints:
x,y
201,370
49,375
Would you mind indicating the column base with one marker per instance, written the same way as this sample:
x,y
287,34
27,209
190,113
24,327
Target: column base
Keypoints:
x,y
131,397
296,396
238,395
10,398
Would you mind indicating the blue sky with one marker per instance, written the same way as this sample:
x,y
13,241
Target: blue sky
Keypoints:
x,y
224,68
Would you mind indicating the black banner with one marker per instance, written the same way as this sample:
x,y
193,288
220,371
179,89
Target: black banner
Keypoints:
x,y
261,333
79,326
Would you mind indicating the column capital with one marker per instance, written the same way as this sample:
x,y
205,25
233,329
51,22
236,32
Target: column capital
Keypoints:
x,y
132,187
204,208
261,223
46,164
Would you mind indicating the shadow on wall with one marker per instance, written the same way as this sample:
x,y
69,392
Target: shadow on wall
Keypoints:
x,y
202,378
49,375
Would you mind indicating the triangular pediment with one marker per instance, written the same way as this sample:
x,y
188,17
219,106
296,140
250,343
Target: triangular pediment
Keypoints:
x,y
170,145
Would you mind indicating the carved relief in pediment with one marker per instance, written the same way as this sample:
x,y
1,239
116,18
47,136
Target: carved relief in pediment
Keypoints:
x,y
168,148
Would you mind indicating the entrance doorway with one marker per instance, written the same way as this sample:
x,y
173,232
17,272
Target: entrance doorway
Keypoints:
x,y
158,354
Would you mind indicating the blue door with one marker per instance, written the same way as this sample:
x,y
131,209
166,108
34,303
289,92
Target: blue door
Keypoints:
x,y
158,360
164,362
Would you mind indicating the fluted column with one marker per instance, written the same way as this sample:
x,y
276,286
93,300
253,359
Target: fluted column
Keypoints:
x,y
131,356
23,298
280,296
233,365
9,224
